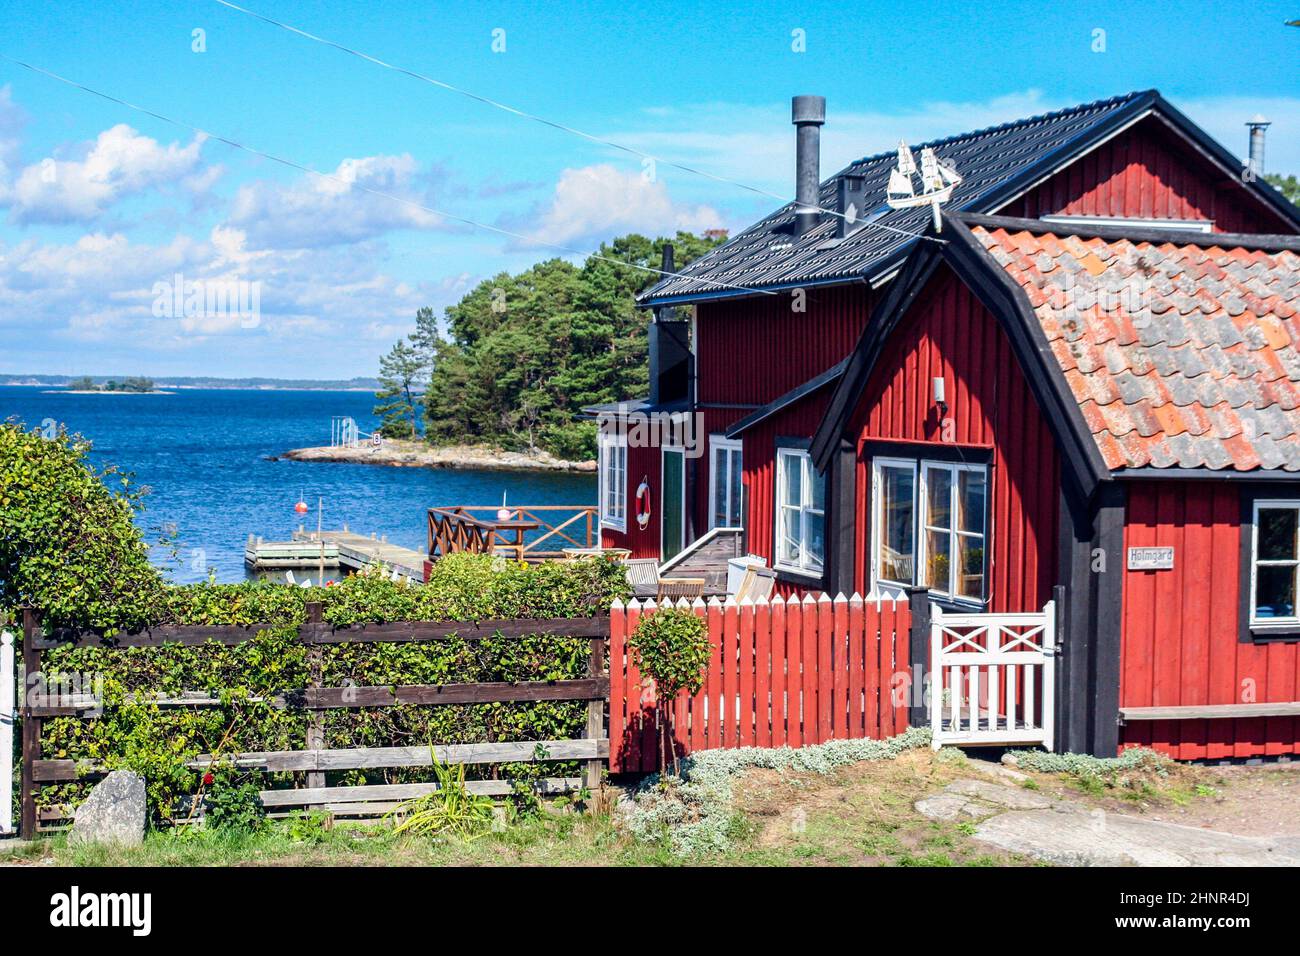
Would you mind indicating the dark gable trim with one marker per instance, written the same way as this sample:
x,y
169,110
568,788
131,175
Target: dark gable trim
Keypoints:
x,y
1135,233
795,394
1008,304
1249,495
1067,152
1003,297
1230,163
1275,475
902,293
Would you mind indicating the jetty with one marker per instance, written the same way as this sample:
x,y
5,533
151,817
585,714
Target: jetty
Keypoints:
x,y
308,550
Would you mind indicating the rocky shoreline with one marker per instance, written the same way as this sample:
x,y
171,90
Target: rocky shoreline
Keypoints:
x,y
396,453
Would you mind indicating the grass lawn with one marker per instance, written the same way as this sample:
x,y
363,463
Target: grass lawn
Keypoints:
x,y
859,815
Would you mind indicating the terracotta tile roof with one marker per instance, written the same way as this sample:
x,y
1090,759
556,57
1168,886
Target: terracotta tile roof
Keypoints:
x,y
1179,355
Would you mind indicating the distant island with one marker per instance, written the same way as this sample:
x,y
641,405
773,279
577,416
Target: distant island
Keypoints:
x,y
99,383
135,385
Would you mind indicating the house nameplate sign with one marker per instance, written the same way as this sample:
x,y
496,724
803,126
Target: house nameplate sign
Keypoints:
x,y
1150,559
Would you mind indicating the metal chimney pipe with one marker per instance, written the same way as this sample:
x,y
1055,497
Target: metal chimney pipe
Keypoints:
x,y
808,113
1257,125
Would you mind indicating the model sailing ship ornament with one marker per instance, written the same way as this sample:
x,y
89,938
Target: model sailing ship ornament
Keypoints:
x,y
937,181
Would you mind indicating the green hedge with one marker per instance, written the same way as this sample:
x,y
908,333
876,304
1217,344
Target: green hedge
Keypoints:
x,y
157,741
70,546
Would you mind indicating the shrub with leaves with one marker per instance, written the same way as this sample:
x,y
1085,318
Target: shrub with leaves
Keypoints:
x,y
68,541
71,549
672,648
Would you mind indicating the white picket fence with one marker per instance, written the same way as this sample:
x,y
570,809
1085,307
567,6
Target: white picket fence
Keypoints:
x,y
994,678
8,715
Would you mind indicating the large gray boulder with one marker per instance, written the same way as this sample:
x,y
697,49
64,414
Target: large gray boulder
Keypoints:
x,y
113,813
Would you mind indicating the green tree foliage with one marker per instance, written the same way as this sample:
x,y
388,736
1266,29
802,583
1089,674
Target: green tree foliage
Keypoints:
x,y
1289,186
400,375
672,648
68,543
524,353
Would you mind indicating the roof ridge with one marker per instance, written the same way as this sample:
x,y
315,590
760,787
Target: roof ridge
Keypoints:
x,y
1110,101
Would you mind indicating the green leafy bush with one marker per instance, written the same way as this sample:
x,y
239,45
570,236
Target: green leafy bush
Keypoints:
x,y
232,801
68,540
70,548
672,648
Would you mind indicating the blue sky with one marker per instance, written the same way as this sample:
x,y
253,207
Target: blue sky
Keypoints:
x,y
100,204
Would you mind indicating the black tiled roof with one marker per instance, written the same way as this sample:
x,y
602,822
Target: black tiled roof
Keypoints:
x,y
993,162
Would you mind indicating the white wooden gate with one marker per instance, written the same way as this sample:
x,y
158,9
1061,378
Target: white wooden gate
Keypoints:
x,y
8,713
993,678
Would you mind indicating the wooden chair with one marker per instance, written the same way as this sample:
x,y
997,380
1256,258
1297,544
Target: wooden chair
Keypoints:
x,y
757,584
671,589
643,576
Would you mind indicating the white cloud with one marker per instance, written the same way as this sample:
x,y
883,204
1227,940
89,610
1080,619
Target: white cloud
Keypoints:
x,y
598,202
103,290
318,210
119,163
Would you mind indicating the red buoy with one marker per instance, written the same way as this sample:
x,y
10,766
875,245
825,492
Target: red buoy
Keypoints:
x,y
301,507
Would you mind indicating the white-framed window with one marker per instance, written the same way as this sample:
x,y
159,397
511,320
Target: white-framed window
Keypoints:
x,y
725,493
893,498
800,513
1274,560
929,527
613,482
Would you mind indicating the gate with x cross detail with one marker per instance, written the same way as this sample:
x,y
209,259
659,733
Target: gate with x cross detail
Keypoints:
x,y
993,678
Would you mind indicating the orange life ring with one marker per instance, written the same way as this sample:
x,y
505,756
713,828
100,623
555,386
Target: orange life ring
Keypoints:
x,y
643,504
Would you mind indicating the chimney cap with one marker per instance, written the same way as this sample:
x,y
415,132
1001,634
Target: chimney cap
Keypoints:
x,y
808,109
1258,120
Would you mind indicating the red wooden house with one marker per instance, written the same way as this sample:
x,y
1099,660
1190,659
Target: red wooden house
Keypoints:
x,y
1073,389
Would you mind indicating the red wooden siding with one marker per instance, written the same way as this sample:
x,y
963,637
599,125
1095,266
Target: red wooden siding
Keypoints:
x,y
949,333
1145,172
797,673
1180,630
752,350
759,459
644,542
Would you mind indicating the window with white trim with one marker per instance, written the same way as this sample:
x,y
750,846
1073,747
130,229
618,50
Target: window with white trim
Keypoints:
x,y
928,527
725,483
800,513
1274,560
613,482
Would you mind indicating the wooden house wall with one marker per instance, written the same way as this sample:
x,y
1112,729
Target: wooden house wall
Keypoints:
x,y
949,333
1180,645
1145,172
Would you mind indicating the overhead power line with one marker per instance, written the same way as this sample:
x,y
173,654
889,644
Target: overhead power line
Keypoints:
x,y
553,124
353,184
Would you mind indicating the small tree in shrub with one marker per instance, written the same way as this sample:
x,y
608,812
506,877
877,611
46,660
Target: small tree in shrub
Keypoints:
x,y
673,648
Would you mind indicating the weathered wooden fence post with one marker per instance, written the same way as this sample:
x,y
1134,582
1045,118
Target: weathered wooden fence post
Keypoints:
x,y
8,711
316,716
31,725
596,711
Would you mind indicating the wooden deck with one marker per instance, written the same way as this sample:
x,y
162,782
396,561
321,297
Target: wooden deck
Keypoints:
x,y
337,549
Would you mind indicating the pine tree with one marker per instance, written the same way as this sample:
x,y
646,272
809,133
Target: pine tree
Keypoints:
x,y
399,374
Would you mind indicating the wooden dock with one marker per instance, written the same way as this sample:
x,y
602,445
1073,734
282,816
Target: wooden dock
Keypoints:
x,y
332,549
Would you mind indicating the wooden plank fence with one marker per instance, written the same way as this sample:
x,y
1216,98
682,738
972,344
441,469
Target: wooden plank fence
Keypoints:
x,y
783,673
315,759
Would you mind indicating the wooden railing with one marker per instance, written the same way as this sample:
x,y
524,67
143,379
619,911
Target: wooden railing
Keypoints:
x,y
316,757
533,533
